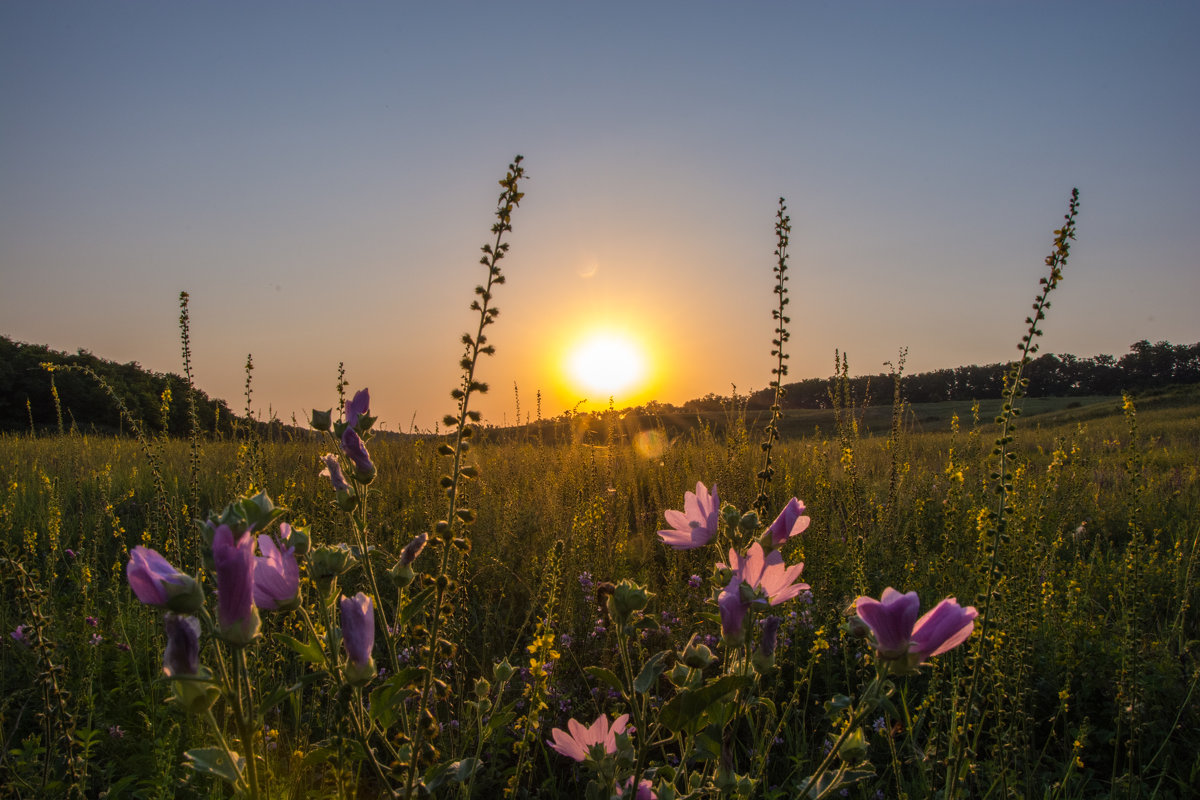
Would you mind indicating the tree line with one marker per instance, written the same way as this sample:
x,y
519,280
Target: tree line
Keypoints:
x,y
1146,366
27,395
27,388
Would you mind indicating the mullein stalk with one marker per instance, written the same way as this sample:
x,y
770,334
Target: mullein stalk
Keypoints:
x,y
456,517
193,416
783,229
1015,384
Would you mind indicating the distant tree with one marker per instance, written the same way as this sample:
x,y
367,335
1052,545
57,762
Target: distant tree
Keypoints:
x,y
86,403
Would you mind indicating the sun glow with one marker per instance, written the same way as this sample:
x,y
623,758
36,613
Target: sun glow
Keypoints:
x,y
607,363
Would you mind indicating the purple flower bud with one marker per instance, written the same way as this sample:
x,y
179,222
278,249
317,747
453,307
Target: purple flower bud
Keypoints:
x,y
276,574
182,655
733,612
157,583
770,635
356,451
359,406
413,549
358,637
236,614
333,471
18,634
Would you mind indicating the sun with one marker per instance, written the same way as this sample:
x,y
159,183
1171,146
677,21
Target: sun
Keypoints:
x,y
606,362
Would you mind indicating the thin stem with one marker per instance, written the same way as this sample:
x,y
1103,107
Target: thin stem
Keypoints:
x,y
1015,384
476,346
224,744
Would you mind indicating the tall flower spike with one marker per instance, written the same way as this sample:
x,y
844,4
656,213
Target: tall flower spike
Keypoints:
x,y
696,524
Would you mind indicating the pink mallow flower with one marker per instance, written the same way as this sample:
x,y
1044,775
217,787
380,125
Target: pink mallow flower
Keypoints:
x,y
157,583
645,790
577,744
234,560
696,524
757,578
767,574
790,522
276,573
902,641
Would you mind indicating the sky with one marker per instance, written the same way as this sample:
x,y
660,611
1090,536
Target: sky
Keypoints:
x,y
319,177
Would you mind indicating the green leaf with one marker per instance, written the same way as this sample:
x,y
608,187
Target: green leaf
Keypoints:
x,y
708,747
387,697
225,764
685,710
309,651
646,624
451,772
836,706
649,675
318,755
500,720
277,696
606,677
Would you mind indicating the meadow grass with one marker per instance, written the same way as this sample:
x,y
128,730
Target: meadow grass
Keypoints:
x,y
1089,684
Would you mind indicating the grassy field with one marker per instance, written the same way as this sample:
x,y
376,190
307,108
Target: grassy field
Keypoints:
x,y
1082,683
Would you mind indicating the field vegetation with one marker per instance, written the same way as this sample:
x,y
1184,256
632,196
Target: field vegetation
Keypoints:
x,y
531,634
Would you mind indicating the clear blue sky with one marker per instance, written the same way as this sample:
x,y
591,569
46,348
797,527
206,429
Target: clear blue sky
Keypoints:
x,y
319,176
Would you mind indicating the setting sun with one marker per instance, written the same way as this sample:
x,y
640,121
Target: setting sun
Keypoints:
x,y
607,363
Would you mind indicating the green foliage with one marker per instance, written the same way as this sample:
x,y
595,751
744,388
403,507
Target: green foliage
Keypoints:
x,y
87,404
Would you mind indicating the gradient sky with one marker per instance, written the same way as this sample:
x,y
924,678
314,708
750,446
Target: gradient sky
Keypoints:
x,y
319,177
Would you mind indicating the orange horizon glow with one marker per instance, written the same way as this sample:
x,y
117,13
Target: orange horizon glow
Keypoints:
x,y
604,362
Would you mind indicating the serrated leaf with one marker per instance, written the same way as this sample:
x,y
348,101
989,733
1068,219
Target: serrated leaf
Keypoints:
x,y
224,764
309,651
